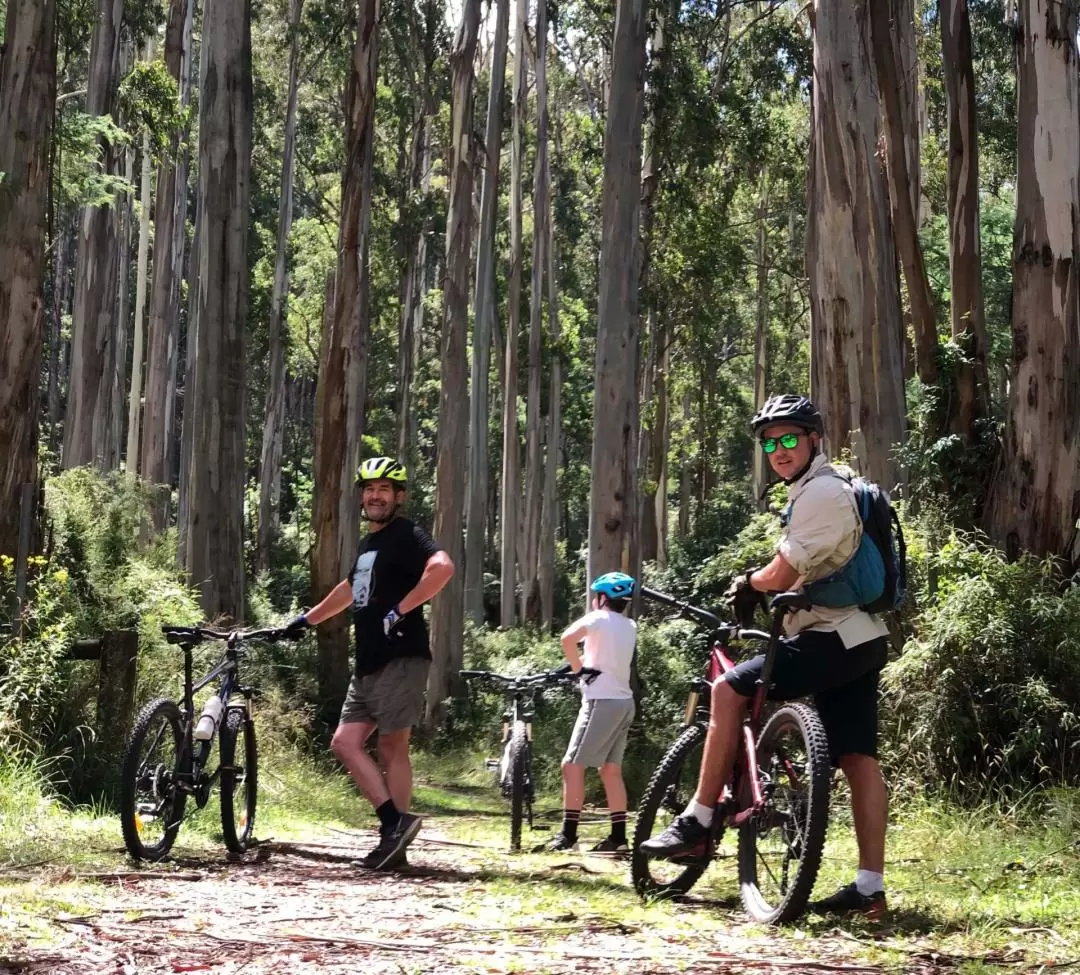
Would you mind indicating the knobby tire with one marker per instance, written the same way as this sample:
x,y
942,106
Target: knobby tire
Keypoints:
x,y
238,819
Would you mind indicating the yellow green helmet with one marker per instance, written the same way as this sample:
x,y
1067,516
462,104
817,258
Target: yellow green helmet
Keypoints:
x,y
382,469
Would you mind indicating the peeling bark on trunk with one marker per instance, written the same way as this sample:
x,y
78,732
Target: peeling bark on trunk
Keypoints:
x,y
856,333
447,609
218,473
27,97
88,426
511,459
187,431
1034,503
163,330
480,404
274,414
125,217
971,399
59,296
899,124
343,361
613,496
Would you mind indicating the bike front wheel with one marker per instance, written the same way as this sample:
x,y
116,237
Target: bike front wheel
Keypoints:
x,y
239,779
667,795
780,846
151,797
519,782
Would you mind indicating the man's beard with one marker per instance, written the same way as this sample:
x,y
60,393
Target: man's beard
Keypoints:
x,y
389,516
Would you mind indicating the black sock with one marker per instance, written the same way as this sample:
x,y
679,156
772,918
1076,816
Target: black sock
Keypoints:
x,y
388,816
571,817
618,826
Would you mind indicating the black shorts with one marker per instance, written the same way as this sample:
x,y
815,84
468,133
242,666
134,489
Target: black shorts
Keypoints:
x,y
843,681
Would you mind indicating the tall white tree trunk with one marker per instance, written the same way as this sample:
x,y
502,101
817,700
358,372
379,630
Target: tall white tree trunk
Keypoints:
x,y
484,320
274,415
1034,504
511,460
761,334
88,424
447,610
131,455
613,496
856,329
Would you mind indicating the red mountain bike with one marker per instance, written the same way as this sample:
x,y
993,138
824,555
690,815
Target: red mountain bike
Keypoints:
x,y
778,796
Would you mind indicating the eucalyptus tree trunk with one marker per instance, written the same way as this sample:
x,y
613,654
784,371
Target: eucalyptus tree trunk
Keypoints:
x,y
534,463
655,148
971,396
343,361
906,57
124,214
484,317
661,433
613,495
1034,503
215,532
62,268
274,415
88,424
685,487
511,459
447,610
187,430
131,454
27,97
163,332
761,335
549,507
900,123
856,328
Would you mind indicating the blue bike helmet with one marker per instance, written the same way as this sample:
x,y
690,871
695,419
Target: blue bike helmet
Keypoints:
x,y
614,585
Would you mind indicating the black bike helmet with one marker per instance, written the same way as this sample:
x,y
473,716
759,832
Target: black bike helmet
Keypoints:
x,y
788,408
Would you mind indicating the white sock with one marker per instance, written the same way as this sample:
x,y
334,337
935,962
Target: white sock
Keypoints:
x,y
867,882
703,814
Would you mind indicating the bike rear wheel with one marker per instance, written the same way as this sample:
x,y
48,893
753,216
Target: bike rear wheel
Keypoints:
x,y
667,795
151,799
780,847
519,779
239,779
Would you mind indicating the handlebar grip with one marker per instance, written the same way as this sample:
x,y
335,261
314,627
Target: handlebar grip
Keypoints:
x,y
590,674
471,673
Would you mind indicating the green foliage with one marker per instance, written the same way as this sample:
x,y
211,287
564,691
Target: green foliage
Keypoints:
x,y
987,690
82,142
148,99
96,576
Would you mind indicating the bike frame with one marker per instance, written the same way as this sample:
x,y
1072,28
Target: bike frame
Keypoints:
x,y
732,808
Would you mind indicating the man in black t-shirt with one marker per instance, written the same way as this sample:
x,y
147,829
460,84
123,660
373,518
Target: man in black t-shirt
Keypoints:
x,y
397,569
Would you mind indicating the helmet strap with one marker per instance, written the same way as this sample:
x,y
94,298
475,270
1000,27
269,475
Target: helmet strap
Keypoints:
x,y
802,472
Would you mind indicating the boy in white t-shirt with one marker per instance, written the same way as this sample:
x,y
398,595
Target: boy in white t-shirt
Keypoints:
x,y
607,710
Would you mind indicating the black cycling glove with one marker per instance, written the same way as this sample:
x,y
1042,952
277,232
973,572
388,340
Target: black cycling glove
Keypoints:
x,y
745,599
296,629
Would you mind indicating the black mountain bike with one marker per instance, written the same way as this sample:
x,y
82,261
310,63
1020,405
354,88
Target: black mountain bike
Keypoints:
x,y
514,768
778,794
167,758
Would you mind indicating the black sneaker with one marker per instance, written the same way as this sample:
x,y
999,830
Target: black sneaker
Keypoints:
x,y
611,845
684,837
393,844
559,843
848,900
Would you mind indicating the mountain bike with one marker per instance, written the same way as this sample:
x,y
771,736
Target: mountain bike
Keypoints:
x,y
168,754
778,795
514,768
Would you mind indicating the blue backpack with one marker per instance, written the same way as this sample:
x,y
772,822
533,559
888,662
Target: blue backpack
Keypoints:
x,y
875,577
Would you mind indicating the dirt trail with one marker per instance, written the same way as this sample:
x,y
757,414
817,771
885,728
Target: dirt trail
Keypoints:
x,y
300,908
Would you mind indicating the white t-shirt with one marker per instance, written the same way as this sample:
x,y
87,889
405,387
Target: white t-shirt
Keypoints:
x,y
609,648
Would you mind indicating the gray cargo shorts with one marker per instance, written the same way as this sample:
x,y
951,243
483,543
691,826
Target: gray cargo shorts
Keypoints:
x,y
600,732
392,698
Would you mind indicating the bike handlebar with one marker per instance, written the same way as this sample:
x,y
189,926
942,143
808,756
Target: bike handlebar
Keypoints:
x,y
526,680
192,635
694,612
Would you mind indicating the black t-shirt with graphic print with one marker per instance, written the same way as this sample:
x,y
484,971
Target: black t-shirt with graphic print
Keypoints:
x,y
389,565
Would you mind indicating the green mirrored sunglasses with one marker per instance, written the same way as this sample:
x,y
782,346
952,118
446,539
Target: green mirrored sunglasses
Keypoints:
x,y
789,441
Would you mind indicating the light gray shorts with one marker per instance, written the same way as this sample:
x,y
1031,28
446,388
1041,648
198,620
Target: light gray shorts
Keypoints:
x,y
392,698
600,732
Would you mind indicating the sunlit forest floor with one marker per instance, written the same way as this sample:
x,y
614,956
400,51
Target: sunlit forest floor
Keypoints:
x,y
969,891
